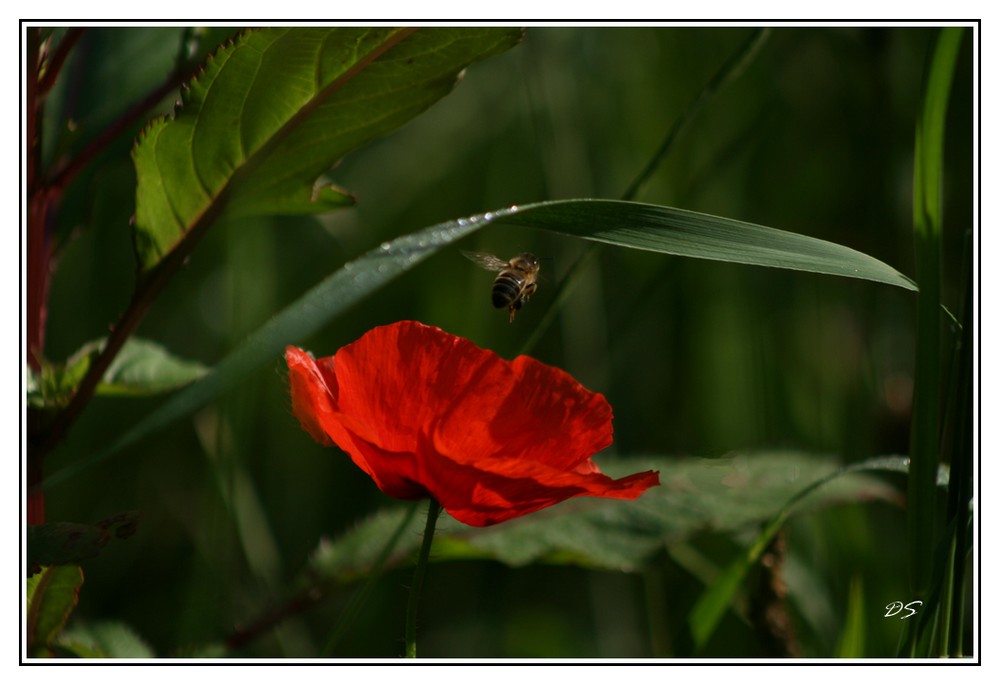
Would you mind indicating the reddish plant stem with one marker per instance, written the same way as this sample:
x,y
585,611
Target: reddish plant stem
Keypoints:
x,y
244,635
146,292
55,64
43,197
68,171
38,252
153,282
34,147
38,257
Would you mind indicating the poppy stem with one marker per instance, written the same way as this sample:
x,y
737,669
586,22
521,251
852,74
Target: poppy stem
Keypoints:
x,y
358,600
433,509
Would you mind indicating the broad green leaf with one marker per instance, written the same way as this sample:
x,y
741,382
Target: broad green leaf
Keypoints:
x,y
146,368
51,544
75,650
106,639
142,367
52,386
696,495
628,224
52,595
274,109
718,597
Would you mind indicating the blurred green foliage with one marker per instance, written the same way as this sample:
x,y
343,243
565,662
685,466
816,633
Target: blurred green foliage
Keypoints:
x,y
697,358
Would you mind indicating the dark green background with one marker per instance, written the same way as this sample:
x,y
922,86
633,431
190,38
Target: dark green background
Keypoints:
x,y
697,358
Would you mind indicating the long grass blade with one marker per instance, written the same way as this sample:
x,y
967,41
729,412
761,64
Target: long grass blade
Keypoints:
x,y
851,644
927,220
681,232
626,224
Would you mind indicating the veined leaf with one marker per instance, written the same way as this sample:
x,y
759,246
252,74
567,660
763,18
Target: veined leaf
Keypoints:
x,y
141,368
145,368
696,495
277,107
712,604
52,595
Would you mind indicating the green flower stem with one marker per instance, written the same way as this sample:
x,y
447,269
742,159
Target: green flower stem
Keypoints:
x,y
433,510
359,599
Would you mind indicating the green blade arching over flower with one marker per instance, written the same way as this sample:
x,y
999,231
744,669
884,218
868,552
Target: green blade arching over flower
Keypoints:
x,y
274,109
628,224
685,233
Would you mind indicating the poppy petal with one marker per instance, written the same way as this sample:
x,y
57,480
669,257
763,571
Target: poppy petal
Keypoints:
x,y
424,413
314,403
493,491
312,398
534,411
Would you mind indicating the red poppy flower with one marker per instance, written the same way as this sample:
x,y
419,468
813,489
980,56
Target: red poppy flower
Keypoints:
x,y
426,413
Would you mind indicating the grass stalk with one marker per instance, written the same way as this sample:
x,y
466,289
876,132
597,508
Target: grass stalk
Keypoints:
x,y
925,432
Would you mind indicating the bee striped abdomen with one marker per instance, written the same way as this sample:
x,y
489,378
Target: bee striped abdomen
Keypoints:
x,y
506,289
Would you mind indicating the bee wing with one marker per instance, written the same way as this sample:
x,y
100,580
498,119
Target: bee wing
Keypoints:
x,y
487,261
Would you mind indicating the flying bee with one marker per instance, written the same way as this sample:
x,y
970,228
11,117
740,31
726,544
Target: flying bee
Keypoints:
x,y
516,281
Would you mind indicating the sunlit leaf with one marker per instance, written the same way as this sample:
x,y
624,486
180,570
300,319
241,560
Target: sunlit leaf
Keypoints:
x,y
106,639
52,595
145,368
274,109
142,367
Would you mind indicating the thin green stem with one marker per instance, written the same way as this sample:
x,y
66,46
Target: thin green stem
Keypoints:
x,y
358,600
727,73
566,286
433,509
656,602
315,593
